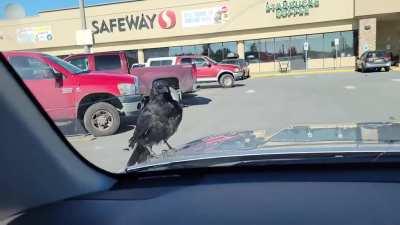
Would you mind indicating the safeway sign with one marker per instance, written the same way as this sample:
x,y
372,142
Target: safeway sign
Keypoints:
x,y
165,19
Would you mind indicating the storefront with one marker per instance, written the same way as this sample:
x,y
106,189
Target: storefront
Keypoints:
x,y
327,33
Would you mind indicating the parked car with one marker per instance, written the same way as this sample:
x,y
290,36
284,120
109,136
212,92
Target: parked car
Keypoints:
x,y
161,61
244,66
207,69
373,60
122,62
69,93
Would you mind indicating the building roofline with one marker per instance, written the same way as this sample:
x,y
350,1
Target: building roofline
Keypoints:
x,y
88,6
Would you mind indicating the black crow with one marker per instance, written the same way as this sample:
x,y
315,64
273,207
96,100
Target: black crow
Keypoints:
x,y
158,121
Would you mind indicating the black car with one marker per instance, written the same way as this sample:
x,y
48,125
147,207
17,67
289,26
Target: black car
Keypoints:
x,y
244,66
373,60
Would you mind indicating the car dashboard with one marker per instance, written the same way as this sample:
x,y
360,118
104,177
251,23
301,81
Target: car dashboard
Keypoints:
x,y
333,194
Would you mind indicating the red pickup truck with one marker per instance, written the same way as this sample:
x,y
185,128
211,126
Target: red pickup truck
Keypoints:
x,y
67,92
182,78
207,69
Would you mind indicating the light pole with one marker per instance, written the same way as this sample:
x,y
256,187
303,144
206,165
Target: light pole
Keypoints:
x,y
86,48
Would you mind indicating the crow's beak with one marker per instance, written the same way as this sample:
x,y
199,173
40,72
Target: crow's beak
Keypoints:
x,y
174,94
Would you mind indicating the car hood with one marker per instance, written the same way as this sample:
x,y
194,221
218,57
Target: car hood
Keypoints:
x,y
306,140
300,135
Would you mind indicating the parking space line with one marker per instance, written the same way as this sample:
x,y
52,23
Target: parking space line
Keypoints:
x,y
350,87
251,91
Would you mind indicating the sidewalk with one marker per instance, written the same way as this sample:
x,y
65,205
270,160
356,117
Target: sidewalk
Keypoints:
x,y
311,72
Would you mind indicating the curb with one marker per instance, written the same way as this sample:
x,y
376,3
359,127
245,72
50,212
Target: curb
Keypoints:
x,y
295,73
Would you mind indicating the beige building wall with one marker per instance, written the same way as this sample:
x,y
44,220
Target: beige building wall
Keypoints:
x,y
316,63
347,61
240,49
373,7
140,56
255,68
246,20
312,64
268,66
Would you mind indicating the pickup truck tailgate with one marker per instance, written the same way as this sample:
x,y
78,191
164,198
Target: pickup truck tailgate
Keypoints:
x,y
180,77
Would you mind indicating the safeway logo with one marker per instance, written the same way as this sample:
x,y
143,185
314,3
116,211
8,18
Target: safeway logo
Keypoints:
x,y
167,19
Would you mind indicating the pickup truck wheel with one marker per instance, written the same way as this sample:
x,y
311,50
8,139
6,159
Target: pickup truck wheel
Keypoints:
x,y
226,81
102,119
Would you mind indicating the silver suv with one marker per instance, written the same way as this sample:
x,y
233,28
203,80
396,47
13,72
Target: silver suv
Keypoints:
x,y
373,60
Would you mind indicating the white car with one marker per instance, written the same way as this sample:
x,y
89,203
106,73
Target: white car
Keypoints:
x,y
161,61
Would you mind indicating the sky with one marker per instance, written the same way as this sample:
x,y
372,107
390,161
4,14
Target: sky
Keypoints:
x,y
32,7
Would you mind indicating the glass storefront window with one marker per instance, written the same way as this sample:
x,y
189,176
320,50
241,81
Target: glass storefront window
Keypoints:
x,y
155,52
266,50
315,46
321,46
296,52
297,45
346,44
204,49
251,51
175,51
215,51
132,57
329,44
229,47
282,48
192,50
188,50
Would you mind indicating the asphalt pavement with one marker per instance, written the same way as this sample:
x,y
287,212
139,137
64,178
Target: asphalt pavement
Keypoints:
x,y
269,103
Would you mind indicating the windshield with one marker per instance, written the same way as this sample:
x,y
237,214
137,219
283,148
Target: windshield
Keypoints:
x,y
302,76
377,54
211,60
66,65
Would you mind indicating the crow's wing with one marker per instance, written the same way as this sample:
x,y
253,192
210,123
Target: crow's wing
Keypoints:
x,y
158,120
143,125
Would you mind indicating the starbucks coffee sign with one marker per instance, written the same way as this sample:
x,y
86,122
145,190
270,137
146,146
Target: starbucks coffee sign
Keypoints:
x,y
290,8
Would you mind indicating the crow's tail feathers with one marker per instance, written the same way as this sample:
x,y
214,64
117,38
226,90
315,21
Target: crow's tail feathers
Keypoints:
x,y
140,154
132,142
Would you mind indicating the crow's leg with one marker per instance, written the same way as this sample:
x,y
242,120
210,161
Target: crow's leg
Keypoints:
x,y
152,153
169,146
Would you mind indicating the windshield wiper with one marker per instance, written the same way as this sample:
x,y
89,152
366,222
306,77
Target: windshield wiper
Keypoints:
x,y
262,160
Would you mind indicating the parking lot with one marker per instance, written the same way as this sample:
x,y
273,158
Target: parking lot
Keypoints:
x,y
264,103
